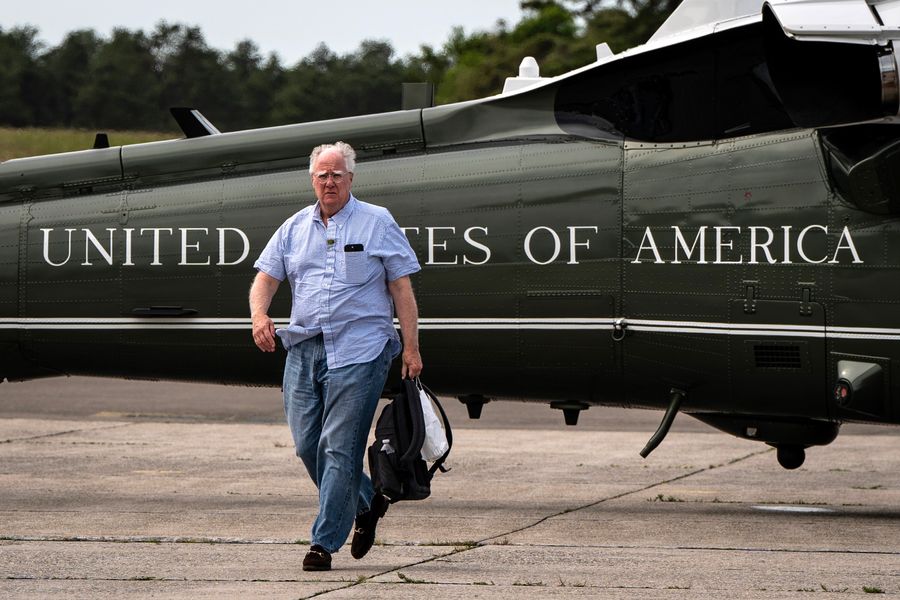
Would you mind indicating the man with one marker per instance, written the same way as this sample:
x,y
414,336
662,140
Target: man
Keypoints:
x,y
346,261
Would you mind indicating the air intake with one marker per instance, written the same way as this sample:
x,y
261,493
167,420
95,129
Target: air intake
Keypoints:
x,y
777,357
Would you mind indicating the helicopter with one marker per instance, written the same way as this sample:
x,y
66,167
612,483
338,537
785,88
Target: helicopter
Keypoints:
x,y
708,223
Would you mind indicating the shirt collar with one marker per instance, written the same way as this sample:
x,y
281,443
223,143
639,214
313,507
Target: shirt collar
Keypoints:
x,y
341,216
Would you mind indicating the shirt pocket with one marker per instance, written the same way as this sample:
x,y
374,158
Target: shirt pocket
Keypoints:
x,y
356,267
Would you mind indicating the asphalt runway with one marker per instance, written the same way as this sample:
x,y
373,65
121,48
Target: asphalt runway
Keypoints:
x,y
111,399
117,489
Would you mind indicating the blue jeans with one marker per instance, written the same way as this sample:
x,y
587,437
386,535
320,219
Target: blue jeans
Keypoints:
x,y
330,413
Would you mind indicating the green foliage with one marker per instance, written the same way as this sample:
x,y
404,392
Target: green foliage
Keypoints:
x,y
481,62
561,36
129,80
325,85
189,72
34,141
121,88
20,77
251,79
67,69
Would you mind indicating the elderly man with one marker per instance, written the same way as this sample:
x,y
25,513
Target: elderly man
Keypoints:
x,y
346,261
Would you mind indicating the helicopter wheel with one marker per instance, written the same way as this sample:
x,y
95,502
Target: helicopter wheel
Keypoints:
x,y
791,457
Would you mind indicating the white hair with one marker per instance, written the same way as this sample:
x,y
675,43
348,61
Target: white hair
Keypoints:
x,y
344,148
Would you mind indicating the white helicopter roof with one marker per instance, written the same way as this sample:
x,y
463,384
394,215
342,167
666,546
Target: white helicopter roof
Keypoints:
x,y
693,14
842,21
850,21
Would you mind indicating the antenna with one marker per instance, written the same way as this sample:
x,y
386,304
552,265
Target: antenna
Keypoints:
x,y
192,122
101,140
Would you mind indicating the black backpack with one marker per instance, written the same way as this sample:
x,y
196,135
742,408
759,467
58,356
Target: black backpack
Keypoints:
x,y
395,462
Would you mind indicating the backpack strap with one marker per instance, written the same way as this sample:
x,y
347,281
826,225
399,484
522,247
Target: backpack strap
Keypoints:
x,y
439,463
413,411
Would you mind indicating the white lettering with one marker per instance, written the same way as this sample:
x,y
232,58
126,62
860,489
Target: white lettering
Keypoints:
x,y
128,262
442,245
477,248
764,246
573,243
648,239
467,235
107,252
722,244
786,259
195,246
244,240
156,231
90,239
800,238
556,245
680,241
846,243
47,248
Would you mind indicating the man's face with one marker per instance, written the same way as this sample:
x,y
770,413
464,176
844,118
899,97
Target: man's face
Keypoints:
x,y
332,195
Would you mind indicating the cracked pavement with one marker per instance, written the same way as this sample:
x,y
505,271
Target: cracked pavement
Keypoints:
x,y
111,502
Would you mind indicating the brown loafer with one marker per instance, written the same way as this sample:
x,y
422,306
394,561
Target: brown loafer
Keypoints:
x,y
364,534
317,559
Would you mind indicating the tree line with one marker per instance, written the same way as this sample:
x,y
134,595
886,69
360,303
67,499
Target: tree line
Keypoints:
x,y
129,79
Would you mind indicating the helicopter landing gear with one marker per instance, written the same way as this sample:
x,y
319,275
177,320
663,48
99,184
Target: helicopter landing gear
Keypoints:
x,y
790,456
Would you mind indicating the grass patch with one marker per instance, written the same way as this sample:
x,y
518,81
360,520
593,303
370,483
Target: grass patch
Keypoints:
x,y
577,584
869,487
407,579
467,544
528,583
872,589
35,141
795,502
664,498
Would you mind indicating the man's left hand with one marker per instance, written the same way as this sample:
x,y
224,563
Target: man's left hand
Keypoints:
x,y
412,363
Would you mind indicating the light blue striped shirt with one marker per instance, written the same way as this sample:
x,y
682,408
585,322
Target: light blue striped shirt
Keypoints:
x,y
336,291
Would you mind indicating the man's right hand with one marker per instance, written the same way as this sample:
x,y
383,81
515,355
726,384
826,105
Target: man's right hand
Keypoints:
x,y
261,293
264,333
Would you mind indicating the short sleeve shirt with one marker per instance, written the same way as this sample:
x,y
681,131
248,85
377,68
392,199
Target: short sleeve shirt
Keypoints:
x,y
338,276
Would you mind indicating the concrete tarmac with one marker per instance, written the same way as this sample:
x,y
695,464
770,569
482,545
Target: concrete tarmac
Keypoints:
x,y
122,489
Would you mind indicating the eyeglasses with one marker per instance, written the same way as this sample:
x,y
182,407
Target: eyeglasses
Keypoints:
x,y
322,176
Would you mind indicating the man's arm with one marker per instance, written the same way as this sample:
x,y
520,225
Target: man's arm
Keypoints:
x,y
261,293
408,315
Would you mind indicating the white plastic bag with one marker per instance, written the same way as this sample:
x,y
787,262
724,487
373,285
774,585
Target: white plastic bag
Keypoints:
x,y
435,438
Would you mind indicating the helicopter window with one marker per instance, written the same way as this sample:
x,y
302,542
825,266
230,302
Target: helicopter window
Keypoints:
x,y
746,100
710,88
